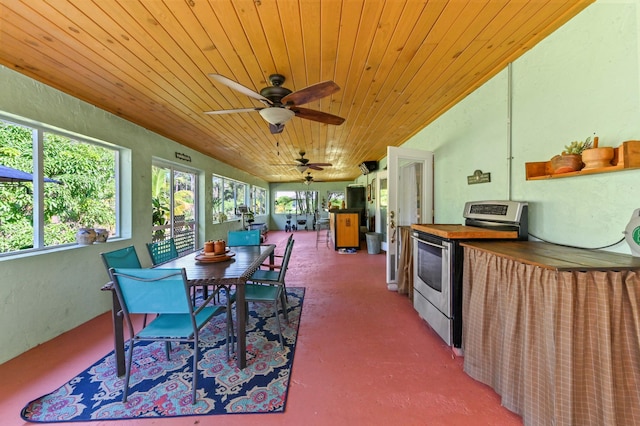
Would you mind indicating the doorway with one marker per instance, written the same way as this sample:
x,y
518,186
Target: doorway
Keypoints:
x,y
381,206
175,206
409,200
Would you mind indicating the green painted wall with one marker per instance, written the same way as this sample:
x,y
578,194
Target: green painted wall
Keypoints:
x,y
581,80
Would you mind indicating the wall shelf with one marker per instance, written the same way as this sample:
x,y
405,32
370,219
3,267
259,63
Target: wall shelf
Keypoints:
x,y
625,157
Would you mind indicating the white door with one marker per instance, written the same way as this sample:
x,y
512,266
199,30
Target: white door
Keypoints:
x,y
382,203
410,199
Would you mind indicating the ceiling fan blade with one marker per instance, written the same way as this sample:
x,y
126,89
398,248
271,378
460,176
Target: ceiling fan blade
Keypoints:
x,y
320,164
232,111
314,167
311,93
240,88
322,117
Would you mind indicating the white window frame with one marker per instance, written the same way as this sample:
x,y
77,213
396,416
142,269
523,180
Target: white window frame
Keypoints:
x,y
38,130
254,196
196,200
236,201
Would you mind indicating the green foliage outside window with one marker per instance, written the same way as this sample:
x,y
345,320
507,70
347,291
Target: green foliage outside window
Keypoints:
x,y
87,197
228,194
296,202
183,197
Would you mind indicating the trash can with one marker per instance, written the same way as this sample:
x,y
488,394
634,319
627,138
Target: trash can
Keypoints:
x,y
374,239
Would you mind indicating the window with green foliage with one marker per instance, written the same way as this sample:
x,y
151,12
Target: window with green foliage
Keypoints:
x,y
48,213
227,195
296,202
335,199
258,200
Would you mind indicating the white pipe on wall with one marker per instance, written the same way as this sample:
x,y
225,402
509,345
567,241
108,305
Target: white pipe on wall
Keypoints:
x,y
509,131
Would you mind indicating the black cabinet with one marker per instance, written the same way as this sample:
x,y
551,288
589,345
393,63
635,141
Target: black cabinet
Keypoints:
x,y
356,199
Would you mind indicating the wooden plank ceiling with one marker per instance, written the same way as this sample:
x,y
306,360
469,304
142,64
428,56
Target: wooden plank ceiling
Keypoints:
x,y
399,64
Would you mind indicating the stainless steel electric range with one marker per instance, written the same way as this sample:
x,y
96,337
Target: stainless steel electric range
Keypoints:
x,y
438,260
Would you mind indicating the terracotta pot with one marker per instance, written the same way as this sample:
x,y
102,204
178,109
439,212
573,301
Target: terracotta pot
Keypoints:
x,y
219,247
208,247
101,235
597,157
566,163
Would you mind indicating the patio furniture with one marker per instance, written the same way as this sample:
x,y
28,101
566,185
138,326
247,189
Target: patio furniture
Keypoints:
x,y
165,292
323,229
122,258
243,238
162,251
227,274
268,285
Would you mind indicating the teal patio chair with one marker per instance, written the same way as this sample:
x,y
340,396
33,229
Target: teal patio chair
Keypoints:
x,y
243,238
125,258
164,292
275,265
162,251
122,258
268,285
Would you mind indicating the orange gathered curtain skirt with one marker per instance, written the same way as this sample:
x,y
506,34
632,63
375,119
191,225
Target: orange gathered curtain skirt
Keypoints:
x,y
560,348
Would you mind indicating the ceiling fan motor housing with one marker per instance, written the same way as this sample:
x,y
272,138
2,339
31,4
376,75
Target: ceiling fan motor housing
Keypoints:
x,y
276,92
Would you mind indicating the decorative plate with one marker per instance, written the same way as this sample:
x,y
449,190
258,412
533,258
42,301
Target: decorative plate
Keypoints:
x,y
214,257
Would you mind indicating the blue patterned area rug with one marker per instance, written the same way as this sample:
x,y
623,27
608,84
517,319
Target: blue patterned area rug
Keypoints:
x,y
161,388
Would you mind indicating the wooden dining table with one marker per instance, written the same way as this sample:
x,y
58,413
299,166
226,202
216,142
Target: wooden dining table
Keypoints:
x,y
234,272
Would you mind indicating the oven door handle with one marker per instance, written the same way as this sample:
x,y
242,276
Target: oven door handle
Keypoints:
x,y
443,247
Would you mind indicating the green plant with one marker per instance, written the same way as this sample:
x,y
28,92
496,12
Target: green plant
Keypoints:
x,y
222,217
576,147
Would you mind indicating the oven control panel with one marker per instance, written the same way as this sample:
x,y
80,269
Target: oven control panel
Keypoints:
x,y
496,211
492,209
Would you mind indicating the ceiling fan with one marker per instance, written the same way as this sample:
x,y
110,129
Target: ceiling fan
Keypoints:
x,y
302,164
282,104
308,179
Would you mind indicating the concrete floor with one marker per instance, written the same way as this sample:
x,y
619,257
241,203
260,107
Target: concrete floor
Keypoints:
x,y
364,357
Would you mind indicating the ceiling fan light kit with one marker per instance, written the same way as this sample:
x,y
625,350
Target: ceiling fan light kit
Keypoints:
x,y
277,115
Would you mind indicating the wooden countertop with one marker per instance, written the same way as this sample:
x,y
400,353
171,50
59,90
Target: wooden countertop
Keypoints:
x,y
464,232
559,258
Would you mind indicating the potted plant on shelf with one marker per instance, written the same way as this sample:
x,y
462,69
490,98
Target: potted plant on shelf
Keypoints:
x,y
571,158
597,157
